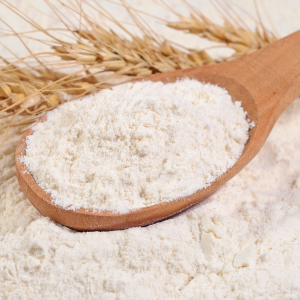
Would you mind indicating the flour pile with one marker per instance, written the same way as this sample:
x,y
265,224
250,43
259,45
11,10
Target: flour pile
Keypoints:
x,y
241,243
136,145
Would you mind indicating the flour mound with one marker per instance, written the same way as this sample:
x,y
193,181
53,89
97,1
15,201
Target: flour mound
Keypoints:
x,y
137,145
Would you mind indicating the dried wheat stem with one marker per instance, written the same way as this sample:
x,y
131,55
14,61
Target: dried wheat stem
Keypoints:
x,y
101,58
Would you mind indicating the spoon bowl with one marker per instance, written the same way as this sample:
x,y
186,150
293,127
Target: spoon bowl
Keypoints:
x,y
266,82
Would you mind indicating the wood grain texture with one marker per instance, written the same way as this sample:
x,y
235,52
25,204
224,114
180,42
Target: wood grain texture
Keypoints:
x,y
266,82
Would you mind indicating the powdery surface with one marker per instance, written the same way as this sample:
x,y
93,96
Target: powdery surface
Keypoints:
x,y
137,145
243,242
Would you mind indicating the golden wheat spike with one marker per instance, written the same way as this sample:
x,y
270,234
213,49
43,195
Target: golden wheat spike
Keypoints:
x,y
101,59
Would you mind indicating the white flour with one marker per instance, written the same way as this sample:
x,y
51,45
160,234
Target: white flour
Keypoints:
x,y
241,243
137,145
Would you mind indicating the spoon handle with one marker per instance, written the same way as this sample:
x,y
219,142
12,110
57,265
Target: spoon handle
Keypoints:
x,y
271,75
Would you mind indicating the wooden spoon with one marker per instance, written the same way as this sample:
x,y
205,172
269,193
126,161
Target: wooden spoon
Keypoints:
x,y
266,82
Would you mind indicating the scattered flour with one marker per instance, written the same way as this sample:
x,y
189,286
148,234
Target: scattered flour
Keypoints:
x,y
137,144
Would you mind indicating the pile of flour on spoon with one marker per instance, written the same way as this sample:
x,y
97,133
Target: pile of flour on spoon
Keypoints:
x,y
137,144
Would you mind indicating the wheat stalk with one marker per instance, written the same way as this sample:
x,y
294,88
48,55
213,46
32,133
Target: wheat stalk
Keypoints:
x,y
137,57
101,59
